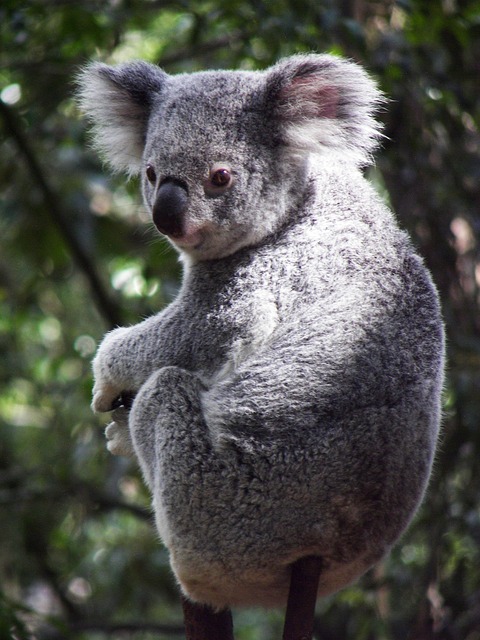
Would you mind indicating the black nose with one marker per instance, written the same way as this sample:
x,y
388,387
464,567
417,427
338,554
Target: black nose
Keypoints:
x,y
169,207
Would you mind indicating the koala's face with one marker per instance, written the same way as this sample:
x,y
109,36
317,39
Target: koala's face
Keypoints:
x,y
222,153
214,176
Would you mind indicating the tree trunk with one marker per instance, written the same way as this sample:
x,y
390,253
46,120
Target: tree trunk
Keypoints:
x,y
203,623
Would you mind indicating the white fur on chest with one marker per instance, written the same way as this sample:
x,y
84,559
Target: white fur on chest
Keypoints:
x,y
261,310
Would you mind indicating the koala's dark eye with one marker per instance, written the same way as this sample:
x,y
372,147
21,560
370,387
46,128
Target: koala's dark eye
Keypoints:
x,y
150,173
220,178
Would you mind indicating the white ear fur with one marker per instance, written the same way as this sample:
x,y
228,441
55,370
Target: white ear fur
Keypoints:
x,y
118,101
323,102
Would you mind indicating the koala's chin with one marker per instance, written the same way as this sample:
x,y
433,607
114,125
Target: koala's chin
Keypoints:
x,y
212,242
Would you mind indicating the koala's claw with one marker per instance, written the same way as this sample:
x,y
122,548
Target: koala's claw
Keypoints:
x,y
125,400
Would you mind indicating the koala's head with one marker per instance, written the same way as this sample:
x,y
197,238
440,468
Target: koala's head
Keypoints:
x,y
222,153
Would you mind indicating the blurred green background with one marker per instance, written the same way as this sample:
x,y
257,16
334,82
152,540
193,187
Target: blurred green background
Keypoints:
x,y
79,557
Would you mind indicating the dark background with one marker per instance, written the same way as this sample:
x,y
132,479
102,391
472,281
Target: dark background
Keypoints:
x,y
79,557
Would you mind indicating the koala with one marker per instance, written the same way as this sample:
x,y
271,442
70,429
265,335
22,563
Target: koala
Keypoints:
x,y
287,402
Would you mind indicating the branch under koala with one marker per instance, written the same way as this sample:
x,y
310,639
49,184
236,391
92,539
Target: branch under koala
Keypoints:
x,y
302,598
203,623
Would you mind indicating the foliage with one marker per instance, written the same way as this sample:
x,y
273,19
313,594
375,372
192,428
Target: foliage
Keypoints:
x,y
78,555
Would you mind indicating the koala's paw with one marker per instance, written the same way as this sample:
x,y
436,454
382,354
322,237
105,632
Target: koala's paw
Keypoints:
x,y
105,397
117,434
109,397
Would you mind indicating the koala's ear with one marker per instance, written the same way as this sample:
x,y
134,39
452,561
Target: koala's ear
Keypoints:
x,y
118,101
324,103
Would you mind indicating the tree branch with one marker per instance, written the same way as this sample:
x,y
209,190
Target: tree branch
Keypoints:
x,y
203,623
106,306
302,598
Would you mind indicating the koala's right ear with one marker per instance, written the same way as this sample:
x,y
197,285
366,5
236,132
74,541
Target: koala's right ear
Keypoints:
x,y
118,101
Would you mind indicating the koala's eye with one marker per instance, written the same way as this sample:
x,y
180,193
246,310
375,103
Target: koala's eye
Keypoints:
x,y
150,173
219,180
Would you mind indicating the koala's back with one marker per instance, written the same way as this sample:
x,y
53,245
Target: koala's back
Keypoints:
x,y
342,276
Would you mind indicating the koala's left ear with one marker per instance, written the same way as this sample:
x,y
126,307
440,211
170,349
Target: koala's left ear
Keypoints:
x,y
325,103
118,101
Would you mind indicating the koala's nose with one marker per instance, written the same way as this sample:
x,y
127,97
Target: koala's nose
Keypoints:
x,y
169,207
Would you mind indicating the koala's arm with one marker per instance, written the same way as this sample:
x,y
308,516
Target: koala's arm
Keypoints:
x,y
125,359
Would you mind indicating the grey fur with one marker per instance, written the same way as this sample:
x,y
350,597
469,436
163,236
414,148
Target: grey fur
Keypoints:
x,y
289,398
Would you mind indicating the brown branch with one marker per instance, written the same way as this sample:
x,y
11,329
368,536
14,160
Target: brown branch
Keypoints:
x,y
203,623
302,598
106,306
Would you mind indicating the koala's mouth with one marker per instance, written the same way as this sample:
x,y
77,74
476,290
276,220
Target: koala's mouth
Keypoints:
x,y
189,239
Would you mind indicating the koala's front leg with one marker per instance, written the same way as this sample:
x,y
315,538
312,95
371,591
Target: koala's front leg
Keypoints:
x,y
124,360
110,391
112,370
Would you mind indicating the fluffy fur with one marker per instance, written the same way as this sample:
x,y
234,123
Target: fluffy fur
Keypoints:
x,y
288,400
